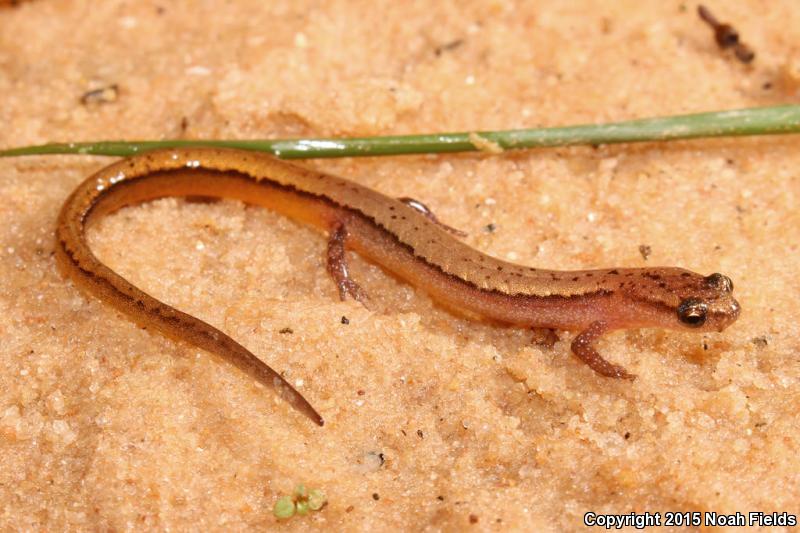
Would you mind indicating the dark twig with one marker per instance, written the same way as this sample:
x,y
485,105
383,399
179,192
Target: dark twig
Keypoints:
x,y
726,36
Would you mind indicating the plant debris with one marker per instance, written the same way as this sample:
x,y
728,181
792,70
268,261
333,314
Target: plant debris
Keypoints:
x,y
102,95
726,36
452,45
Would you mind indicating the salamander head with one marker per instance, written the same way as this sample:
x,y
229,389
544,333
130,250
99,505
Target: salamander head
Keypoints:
x,y
676,298
707,303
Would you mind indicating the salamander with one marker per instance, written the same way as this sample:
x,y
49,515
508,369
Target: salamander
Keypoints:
x,y
401,235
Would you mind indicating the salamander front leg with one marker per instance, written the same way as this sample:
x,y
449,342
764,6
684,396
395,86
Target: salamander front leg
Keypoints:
x,y
422,208
583,347
337,266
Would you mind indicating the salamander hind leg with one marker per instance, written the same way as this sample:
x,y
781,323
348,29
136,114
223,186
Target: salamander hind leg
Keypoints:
x,y
422,208
337,266
583,347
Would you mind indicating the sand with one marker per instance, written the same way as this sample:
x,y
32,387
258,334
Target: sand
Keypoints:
x,y
433,422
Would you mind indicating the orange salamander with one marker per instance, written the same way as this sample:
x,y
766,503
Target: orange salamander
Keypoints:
x,y
401,235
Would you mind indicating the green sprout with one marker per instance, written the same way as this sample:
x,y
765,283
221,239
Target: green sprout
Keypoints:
x,y
301,503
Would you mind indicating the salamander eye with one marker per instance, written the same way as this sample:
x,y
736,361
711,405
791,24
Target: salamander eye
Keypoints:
x,y
692,312
720,282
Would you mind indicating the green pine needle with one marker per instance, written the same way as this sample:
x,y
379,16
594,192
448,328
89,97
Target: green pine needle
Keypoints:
x,y
753,121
